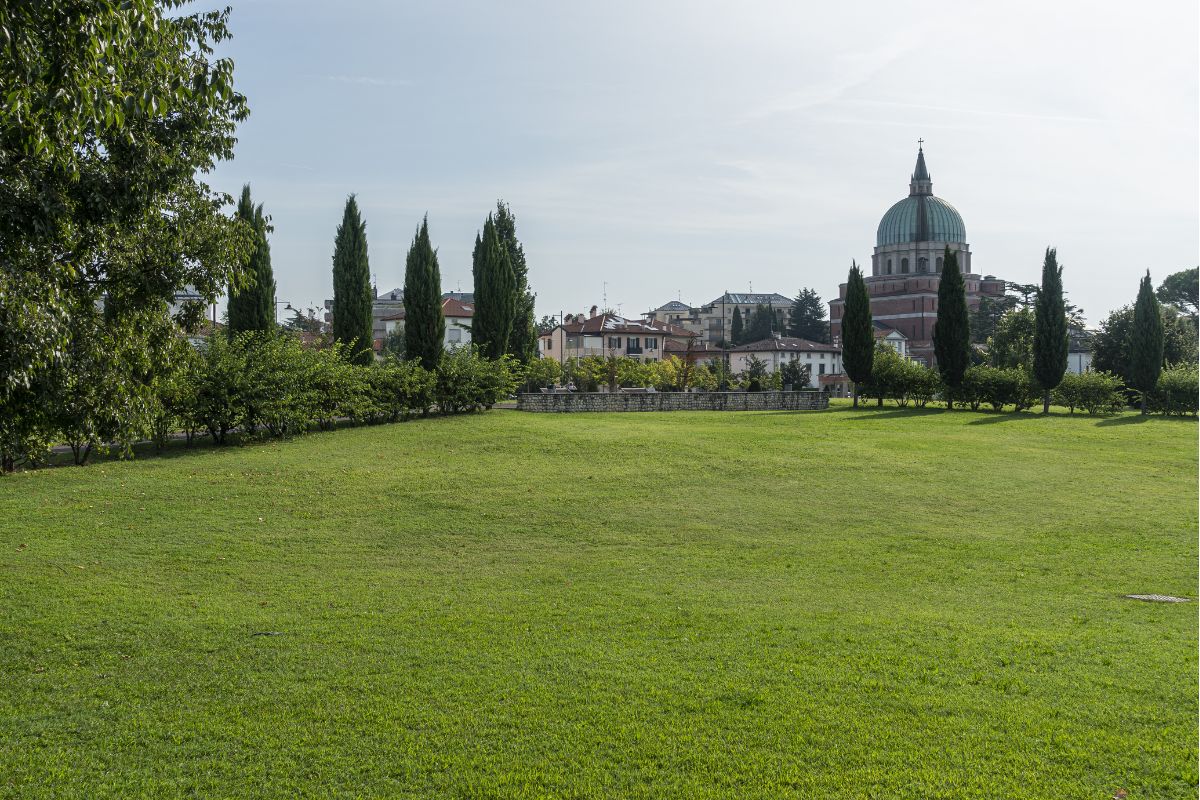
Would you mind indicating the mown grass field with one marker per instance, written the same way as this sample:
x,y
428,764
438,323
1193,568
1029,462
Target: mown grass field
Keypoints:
x,y
842,604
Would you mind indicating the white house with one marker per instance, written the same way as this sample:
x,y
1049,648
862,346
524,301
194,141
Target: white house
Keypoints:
x,y
821,359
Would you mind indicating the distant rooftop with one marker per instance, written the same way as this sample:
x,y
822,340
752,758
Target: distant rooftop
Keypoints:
x,y
750,298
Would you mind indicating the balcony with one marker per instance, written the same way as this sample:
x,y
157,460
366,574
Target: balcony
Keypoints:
x,y
633,351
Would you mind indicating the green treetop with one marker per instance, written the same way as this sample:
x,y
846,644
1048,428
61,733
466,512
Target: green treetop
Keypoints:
x,y
424,323
951,331
352,285
1050,333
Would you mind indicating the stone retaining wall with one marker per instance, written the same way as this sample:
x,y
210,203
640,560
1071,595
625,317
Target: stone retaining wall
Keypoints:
x,y
674,401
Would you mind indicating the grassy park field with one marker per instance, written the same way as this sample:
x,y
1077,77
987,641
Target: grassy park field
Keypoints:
x,y
855,604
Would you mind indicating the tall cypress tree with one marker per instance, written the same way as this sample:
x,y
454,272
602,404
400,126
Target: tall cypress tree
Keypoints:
x,y
1145,341
1050,334
522,342
952,331
495,293
858,331
736,328
352,285
424,323
252,303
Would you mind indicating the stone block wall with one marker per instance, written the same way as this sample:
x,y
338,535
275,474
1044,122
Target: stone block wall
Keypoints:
x,y
673,401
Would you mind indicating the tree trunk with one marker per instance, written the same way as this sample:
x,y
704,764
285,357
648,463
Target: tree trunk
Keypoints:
x,y
1046,402
856,395
879,401
1143,403
949,400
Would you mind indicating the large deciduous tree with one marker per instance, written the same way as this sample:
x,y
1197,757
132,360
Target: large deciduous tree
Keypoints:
x,y
252,302
807,319
1145,341
522,341
952,331
1050,329
112,114
1182,290
495,293
858,331
424,322
352,324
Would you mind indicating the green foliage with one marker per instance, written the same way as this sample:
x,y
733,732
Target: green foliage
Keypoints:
x,y
763,322
542,372
1094,392
522,341
703,377
951,331
395,344
899,379
1145,342
221,387
252,297
997,387
858,331
985,317
467,381
1177,391
111,113
352,297
1182,290
754,375
1011,345
795,374
807,317
1050,329
1110,347
736,328
495,293
424,322
400,389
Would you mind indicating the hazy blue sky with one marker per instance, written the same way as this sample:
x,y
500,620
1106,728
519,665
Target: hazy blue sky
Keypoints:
x,y
684,148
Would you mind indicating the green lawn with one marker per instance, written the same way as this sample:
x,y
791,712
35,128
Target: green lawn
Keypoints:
x,y
841,604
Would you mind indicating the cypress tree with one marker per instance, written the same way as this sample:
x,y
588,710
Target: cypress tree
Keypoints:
x,y
1050,334
352,285
952,331
735,329
522,342
495,295
252,302
424,323
858,334
1145,341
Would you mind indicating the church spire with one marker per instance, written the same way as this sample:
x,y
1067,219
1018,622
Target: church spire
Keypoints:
x,y
921,182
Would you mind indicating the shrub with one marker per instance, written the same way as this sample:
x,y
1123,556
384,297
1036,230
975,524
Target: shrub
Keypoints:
x,y
400,389
997,387
219,388
1176,391
466,381
541,372
1094,392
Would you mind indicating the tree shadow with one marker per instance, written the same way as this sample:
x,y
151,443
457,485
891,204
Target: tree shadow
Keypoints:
x,y
875,412
1138,419
992,417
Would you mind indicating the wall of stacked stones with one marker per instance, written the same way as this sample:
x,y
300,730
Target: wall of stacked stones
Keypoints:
x,y
673,401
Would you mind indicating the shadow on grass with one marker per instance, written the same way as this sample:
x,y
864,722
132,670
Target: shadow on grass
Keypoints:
x,y
992,417
1138,419
872,413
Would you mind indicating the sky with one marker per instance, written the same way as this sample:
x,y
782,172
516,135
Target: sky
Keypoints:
x,y
674,149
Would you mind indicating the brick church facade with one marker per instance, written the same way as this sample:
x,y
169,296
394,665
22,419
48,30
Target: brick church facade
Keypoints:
x,y
907,263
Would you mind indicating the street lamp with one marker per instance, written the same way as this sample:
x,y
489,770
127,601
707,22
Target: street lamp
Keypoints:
x,y
288,307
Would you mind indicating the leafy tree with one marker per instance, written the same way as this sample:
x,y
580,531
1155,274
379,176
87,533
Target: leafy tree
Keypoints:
x,y
985,317
735,329
395,345
951,331
1050,330
1026,292
1145,341
1011,345
252,304
495,293
424,322
754,374
305,321
807,318
762,324
1110,347
352,324
795,374
111,113
522,341
546,324
1182,290
858,331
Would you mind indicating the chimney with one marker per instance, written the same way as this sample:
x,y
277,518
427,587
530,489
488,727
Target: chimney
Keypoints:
x,y
592,313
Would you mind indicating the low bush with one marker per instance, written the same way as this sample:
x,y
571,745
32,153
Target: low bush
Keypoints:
x,y
1094,392
466,381
1176,391
996,387
896,378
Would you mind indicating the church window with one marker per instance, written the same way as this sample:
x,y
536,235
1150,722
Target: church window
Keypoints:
x,y
904,265
939,265
889,272
922,265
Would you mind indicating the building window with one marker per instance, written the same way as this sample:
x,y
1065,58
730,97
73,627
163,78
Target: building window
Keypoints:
x,y
904,265
633,341
614,342
938,265
922,265
822,372
889,267
454,335
549,344
651,343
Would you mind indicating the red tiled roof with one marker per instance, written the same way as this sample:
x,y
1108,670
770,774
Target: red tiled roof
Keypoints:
x,y
786,344
457,308
610,323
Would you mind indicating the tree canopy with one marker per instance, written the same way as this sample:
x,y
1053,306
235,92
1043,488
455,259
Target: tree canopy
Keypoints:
x,y
352,296
807,318
1050,329
951,331
522,340
252,303
495,292
1182,290
424,322
858,331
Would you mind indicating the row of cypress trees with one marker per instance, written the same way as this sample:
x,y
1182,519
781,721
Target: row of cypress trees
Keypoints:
x,y
952,336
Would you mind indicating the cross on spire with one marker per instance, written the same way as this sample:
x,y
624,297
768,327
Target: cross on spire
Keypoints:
x,y
920,144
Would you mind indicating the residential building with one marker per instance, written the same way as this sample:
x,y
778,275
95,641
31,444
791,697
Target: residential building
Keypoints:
x,y
611,335
713,322
906,267
893,337
457,313
821,359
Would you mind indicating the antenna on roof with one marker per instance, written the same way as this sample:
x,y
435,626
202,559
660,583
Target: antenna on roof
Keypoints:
x,y
751,287
604,296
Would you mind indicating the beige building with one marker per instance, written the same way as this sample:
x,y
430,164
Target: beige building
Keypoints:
x,y
713,322
611,335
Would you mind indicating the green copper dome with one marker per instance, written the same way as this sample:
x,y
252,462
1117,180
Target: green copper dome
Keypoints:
x,y
902,222
920,217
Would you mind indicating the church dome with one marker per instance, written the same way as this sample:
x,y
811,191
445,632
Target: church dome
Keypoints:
x,y
920,217
902,222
